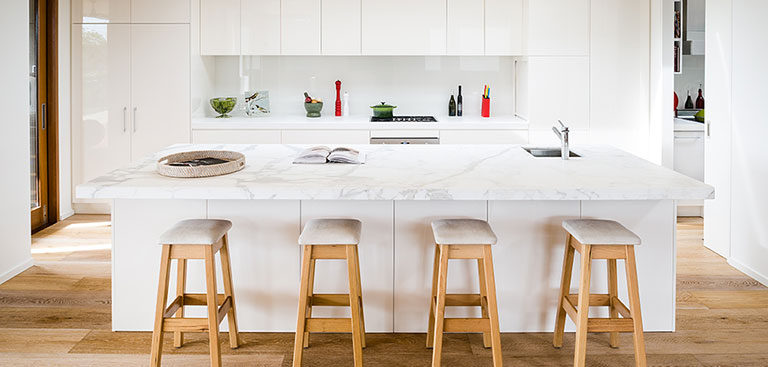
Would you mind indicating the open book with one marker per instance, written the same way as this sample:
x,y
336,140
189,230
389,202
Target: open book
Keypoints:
x,y
322,154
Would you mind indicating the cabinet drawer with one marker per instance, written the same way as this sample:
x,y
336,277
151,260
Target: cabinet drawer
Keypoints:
x,y
236,137
325,137
483,137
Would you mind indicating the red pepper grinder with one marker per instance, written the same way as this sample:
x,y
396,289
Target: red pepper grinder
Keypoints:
x,y
338,98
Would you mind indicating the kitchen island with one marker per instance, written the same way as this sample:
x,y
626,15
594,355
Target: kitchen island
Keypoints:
x,y
396,194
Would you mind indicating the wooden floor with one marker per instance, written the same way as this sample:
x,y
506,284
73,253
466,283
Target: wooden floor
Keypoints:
x,y
57,313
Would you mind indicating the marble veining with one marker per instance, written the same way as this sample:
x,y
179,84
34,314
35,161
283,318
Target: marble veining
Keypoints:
x,y
410,172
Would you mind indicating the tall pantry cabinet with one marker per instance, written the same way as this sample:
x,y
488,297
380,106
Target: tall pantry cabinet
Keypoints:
x,y
130,82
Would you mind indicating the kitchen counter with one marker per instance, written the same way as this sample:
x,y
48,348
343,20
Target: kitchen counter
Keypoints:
x,y
492,172
396,194
358,122
688,125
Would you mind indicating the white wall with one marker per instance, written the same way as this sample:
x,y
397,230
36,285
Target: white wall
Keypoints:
x,y
15,254
749,214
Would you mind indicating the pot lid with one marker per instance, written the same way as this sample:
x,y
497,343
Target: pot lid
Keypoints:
x,y
383,105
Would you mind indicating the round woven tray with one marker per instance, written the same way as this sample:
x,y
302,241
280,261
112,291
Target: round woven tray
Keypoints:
x,y
236,162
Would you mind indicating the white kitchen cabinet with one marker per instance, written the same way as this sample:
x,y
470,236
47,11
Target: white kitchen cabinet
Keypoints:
x,y
558,89
325,137
100,11
341,30
236,137
504,27
300,27
689,154
483,137
466,27
404,27
259,27
160,11
559,27
101,99
160,85
220,27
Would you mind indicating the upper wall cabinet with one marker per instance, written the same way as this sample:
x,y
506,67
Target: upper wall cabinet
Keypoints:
x,y
160,11
558,27
130,11
300,28
503,27
404,27
220,27
465,27
101,11
341,27
260,27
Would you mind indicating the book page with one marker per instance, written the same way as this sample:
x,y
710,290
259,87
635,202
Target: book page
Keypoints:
x,y
314,155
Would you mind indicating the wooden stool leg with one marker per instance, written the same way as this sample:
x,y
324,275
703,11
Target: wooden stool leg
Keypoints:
x,y
310,293
634,304
162,300
301,320
354,305
212,306
360,296
226,271
435,272
613,291
493,312
580,356
181,282
483,301
437,344
565,289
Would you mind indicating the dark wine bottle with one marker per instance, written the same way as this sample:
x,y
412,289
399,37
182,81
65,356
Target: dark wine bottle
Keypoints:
x,y
459,104
689,101
452,107
700,99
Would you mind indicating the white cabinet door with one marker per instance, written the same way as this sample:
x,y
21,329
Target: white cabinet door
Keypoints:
x,y
236,137
100,99
559,27
260,27
325,137
100,11
558,89
483,137
466,19
504,27
341,27
404,27
300,27
689,154
220,27
160,11
159,87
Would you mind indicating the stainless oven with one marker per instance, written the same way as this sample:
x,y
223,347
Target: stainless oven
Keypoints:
x,y
405,140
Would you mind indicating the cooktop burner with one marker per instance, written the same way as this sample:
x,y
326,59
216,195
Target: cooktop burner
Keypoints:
x,y
404,119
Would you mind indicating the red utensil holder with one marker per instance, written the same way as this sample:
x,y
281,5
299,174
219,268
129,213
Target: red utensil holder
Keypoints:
x,y
486,111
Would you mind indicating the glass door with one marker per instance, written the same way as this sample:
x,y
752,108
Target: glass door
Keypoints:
x,y
38,114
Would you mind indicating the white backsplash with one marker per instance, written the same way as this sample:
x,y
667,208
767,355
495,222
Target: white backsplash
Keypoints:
x,y
418,85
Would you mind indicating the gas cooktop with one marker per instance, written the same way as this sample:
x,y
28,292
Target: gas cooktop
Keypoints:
x,y
404,119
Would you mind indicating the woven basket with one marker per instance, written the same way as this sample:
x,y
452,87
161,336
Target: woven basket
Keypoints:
x,y
236,162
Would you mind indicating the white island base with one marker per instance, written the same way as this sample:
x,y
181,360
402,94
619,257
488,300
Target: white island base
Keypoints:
x,y
396,254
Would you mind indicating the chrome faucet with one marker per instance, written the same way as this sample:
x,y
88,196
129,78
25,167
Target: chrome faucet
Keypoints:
x,y
562,134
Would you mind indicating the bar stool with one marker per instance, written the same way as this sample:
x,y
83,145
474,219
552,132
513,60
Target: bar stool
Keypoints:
x,y
600,239
195,239
467,239
330,239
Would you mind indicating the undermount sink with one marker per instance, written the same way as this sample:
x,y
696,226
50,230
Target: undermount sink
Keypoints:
x,y
548,152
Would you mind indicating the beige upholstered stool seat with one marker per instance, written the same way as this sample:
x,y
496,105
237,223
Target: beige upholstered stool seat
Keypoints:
x,y
600,232
331,232
196,232
463,232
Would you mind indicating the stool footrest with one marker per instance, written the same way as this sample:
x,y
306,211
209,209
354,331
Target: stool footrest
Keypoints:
x,y
599,300
187,325
201,299
458,300
464,325
601,325
329,300
224,309
328,325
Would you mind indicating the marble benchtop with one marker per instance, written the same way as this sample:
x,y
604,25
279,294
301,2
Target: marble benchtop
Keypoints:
x,y
410,172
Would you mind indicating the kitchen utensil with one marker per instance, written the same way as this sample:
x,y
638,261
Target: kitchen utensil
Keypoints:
x,y
223,105
486,110
383,110
313,109
338,98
